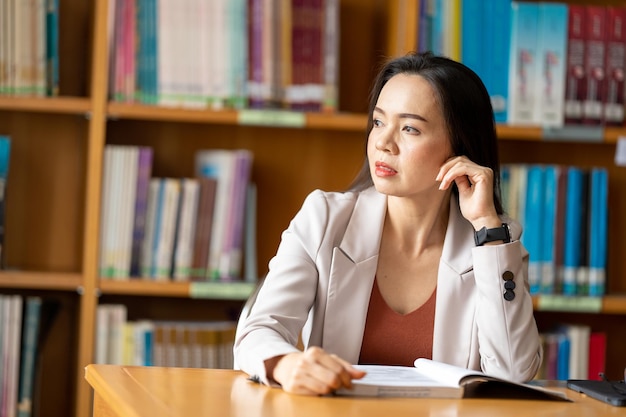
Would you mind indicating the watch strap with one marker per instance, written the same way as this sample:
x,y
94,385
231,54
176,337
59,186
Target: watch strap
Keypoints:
x,y
485,235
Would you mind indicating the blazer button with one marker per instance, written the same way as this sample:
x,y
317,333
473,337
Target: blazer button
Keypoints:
x,y
508,276
509,295
509,285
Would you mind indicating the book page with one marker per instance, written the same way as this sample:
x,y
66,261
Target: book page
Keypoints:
x,y
384,375
444,372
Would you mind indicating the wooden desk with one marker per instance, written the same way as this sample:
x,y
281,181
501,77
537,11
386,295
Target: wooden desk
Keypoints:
x,y
126,391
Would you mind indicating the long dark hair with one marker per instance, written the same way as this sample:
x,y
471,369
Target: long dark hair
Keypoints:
x,y
466,110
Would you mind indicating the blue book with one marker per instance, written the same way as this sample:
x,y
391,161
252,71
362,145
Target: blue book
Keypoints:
x,y
598,227
52,47
473,37
573,229
563,356
549,224
5,154
533,226
497,23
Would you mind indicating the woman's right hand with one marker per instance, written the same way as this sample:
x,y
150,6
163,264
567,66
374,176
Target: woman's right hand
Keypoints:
x,y
313,372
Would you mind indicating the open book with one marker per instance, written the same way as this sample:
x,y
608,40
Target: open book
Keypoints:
x,y
439,380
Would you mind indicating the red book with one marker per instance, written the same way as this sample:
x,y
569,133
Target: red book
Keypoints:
x,y
595,52
615,65
597,355
575,75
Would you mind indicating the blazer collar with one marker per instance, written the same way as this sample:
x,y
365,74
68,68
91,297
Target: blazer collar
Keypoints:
x,y
459,236
369,212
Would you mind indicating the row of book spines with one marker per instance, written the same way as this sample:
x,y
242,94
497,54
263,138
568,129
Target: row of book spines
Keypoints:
x,y
311,26
564,211
573,352
201,344
38,74
527,72
24,323
165,226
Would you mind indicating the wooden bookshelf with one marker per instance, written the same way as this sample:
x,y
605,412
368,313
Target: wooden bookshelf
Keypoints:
x,y
53,205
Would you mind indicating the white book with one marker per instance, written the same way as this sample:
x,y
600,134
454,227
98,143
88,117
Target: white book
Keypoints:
x,y
127,209
523,63
432,379
165,226
166,53
551,56
185,228
579,351
115,342
39,52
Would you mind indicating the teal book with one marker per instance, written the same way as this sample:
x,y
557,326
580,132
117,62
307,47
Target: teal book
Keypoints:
x,y
573,229
52,47
5,153
497,23
598,231
533,226
30,334
549,226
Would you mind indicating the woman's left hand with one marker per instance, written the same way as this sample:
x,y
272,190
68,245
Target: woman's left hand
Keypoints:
x,y
475,185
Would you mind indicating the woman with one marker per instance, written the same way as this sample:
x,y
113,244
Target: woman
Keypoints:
x,y
416,260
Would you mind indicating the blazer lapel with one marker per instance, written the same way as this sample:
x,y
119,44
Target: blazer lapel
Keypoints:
x,y
352,276
454,311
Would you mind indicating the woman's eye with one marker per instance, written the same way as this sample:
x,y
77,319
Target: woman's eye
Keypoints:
x,y
411,129
377,123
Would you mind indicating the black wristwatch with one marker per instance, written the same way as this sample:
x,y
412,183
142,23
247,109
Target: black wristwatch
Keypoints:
x,y
485,235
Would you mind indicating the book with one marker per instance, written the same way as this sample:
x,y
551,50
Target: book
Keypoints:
x,y
523,61
551,54
595,47
597,355
5,152
597,241
575,69
497,50
30,335
433,379
573,229
615,64
533,215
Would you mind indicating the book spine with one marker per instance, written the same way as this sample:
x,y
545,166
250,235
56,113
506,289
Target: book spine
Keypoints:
x,y
598,227
575,86
615,65
497,21
573,223
551,54
595,43
533,226
144,172
30,334
548,230
523,62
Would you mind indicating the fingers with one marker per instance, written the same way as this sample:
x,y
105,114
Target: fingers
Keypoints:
x,y
464,173
316,372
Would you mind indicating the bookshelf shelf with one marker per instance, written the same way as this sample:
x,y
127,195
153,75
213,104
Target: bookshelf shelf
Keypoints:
x,y
208,290
327,121
41,280
340,121
62,105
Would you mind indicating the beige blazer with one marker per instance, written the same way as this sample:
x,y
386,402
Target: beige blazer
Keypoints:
x,y
320,280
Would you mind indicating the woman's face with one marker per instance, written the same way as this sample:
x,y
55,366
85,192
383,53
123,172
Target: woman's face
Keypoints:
x,y
409,140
